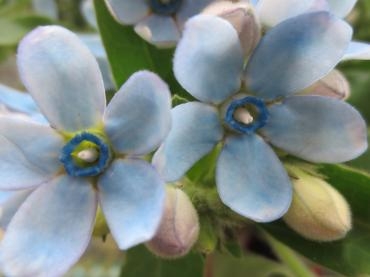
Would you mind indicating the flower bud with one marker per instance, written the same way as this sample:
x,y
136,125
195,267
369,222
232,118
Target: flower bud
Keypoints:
x,y
318,211
333,85
243,19
179,227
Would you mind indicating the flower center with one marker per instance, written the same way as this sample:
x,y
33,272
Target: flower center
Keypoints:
x,y
86,154
246,115
165,7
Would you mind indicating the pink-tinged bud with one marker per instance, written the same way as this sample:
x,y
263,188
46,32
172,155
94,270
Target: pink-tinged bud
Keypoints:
x,y
179,227
318,211
333,85
241,15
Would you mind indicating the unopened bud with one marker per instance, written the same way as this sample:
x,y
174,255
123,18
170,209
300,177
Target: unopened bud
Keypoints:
x,y
241,16
179,227
318,211
333,85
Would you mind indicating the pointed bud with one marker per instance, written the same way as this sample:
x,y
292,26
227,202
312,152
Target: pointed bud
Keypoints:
x,y
179,228
241,16
318,211
333,85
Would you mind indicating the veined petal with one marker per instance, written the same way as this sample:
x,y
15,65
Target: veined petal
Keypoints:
x,y
63,77
317,129
132,195
159,30
190,8
251,180
357,50
28,153
138,118
196,129
128,11
51,229
10,204
296,53
209,59
341,8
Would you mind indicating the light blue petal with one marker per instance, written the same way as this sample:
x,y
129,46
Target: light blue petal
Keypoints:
x,y
209,59
272,12
128,11
46,7
138,117
88,12
28,153
196,129
357,50
317,129
10,204
63,77
296,53
132,196
161,31
251,180
190,8
51,229
21,102
341,8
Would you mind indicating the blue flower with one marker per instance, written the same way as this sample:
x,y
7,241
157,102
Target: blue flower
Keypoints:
x,y
157,21
88,156
247,107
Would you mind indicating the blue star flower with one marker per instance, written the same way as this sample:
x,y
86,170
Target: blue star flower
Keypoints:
x,y
158,21
248,105
89,155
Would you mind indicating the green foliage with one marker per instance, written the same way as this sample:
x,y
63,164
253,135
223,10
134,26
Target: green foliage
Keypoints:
x,y
351,255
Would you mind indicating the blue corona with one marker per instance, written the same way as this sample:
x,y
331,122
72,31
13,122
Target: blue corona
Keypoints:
x,y
162,7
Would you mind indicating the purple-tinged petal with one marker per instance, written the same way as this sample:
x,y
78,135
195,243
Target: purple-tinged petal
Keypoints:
x,y
196,129
132,195
29,153
51,229
251,180
63,77
296,53
317,129
161,31
138,117
128,11
190,8
209,59
357,50
341,8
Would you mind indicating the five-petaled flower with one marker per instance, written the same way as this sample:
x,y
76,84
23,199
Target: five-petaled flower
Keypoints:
x,y
247,106
158,21
89,154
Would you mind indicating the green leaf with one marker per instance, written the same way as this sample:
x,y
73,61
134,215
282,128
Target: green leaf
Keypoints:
x,y
140,262
351,255
128,53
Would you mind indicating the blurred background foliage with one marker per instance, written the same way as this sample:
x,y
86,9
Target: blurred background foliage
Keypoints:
x,y
256,253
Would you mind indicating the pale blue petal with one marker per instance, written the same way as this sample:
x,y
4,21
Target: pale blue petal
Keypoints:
x,y
272,12
138,117
317,129
251,180
341,8
296,53
46,7
63,77
51,229
161,31
88,12
209,59
128,11
196,129
357,50
29,153
10,205
190,8
131,195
